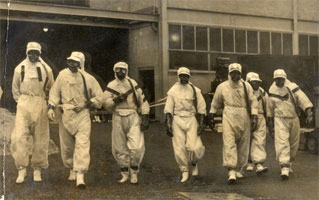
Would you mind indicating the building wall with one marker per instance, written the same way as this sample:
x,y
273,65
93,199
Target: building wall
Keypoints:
x,y
125,5
307,9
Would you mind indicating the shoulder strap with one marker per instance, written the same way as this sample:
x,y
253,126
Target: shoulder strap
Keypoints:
x,y
134,94
246,98
195,97
112,91
39,74
263,94
22,72
86,93
47,77
293,100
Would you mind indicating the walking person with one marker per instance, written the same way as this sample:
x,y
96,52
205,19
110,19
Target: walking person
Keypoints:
x,y
285,99
32,80
185,109
240,109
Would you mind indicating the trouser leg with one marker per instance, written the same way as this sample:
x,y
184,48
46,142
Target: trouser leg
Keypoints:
x,y
120,150
282,145
258,151
179,140
67,143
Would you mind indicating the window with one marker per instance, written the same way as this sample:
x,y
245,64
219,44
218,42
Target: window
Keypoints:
x,y
313,42
215,39
303,45
193,60
252,41
201,38
287,44
276,43
83,3
228,40
240,39
174,36
188,37
264,43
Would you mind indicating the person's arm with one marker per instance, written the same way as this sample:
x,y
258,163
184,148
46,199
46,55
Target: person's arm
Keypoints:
x,y
16,81
97,94
55,92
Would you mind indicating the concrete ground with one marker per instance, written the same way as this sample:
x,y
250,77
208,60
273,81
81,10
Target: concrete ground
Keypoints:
x,y
159,175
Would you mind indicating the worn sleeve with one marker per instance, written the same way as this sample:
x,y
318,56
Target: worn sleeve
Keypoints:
x,y
201,104
96,93
270,107
217,102
107,100
169,105
252,100
16,81
55,92
302,100
145,107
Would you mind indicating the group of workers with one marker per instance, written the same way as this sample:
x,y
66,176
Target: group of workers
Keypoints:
x,y
246,109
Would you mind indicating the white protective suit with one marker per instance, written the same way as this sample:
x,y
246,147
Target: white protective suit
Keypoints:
x,y
31,118
75,128
236,120
128,145
282,106
188,146
258,143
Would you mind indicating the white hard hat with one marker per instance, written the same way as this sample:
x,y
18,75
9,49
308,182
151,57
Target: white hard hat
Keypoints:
x,y
33,46
75,56
280,73
120,65
183,70
234,67
252,76
81,56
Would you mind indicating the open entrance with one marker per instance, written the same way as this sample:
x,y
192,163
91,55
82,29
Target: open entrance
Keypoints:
x,y
102,47
146,79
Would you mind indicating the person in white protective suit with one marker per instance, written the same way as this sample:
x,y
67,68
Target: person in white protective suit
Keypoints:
x,y
77,91
129,120
31,83
258,137
285,98
236,98
185,109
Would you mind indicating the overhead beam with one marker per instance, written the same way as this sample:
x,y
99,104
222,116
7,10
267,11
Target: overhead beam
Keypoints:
x,y
67,21
78,11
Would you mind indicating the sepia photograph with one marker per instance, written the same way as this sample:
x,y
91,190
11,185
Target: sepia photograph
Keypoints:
x,y
159,99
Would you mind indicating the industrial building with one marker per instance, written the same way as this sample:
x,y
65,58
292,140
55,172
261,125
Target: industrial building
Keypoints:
x,y
156,37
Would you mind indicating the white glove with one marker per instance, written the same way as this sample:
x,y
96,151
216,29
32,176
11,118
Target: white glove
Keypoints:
x,y
51,114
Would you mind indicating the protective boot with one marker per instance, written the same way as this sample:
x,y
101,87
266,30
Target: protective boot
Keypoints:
x,y
185,176
250,166
231,177
290,168
134,179
37,175
195,170
22,173
284,173
124,177
239,175
72,176
260,169
80,180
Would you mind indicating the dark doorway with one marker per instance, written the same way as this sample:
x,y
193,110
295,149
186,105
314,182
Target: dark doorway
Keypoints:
x,y
146,79
102,46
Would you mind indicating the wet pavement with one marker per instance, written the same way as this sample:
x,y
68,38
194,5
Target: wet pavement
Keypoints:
x,y
159,175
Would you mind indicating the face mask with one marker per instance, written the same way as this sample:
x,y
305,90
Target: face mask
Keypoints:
x,y
73,66
235,76
120,73
33,56
255,85
184,78
280,82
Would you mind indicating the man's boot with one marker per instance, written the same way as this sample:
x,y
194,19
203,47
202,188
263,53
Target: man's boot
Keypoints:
x,y
185,176
37,175
231,177
22,173
72,176
80,180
